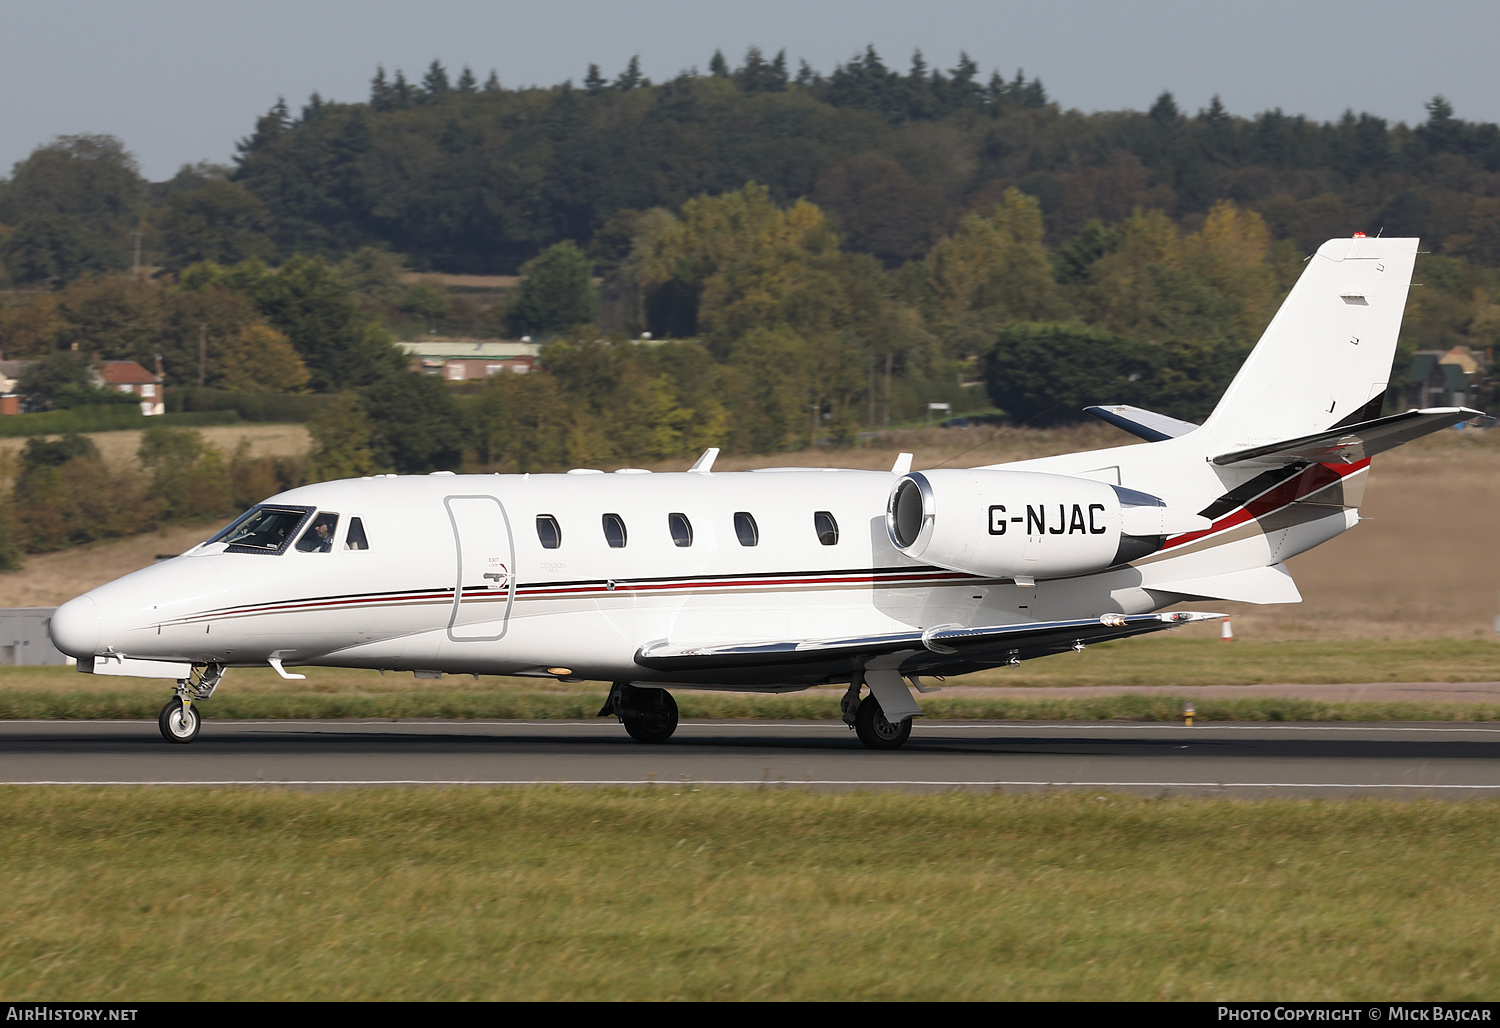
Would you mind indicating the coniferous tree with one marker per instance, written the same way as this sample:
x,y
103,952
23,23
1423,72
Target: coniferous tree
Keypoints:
x,y
466,81
401,92
630,78
996,93
1164,110
963,89
435,82
717,66
594,83
920,101
380,91
492,84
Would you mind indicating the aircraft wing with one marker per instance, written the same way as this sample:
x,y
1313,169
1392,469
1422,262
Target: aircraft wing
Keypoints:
x,y
1142,423
1351,443
937,648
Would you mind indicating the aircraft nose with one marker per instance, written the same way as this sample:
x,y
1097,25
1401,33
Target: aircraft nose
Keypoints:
x,y
77,627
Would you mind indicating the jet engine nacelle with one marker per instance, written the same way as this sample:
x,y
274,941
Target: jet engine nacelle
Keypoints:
x,y
1025,524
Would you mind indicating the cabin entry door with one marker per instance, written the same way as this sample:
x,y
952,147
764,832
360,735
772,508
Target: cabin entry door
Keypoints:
x,y
486,564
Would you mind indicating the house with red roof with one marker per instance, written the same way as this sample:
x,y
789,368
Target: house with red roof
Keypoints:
x,y
130,377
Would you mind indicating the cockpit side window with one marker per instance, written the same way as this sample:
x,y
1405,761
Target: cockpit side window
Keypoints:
x,y
319,535
268,530
356,539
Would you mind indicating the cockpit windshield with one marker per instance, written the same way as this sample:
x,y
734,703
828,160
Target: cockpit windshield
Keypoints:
x,y
263,530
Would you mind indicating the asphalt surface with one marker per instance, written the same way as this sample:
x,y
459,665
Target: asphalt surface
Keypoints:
x,y
1452,761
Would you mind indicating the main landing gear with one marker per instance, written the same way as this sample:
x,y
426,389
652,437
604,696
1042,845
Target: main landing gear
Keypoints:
x,y
649,715
179,720
869,722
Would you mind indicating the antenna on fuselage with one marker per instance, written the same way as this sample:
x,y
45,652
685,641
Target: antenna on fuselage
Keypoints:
x,y
902,465
704,464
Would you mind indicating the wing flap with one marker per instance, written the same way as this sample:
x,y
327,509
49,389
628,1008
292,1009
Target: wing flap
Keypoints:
x,y
931,649
1352,443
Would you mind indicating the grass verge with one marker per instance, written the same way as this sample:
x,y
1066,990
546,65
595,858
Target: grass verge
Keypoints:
x,y
672,893
505,704
56,692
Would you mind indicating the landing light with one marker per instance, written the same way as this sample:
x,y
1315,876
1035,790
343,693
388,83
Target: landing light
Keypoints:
x,y
561,671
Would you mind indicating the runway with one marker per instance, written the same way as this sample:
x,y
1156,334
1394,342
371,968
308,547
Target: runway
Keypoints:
x,y
1219,759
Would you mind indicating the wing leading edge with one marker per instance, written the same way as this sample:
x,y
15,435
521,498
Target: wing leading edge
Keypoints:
x,y
943,647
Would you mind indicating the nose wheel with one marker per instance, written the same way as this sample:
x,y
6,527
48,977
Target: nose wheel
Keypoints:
x,y
179,721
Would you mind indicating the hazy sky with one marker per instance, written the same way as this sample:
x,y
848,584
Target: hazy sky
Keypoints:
x,y
181,81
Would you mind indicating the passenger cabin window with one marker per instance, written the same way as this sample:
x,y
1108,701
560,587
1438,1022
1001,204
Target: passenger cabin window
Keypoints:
x,y
745,528
549,531
319,535
614,531
268,530
681,529
356,539
826,527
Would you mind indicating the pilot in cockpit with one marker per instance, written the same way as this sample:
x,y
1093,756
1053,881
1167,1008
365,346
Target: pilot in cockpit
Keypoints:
x,y
319,537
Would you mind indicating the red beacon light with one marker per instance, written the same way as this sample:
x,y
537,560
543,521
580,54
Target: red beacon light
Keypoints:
x,y
1360,235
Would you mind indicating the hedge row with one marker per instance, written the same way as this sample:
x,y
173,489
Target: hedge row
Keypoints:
x,y
283,407
113,417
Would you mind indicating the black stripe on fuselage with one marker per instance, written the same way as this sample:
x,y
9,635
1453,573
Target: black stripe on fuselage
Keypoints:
x,y
445,593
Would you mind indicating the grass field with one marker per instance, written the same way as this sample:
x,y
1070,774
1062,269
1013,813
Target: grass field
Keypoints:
x,y
60,692
671,893
119,448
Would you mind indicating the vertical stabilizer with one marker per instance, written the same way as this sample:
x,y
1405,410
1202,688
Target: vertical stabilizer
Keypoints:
x,y
1327,354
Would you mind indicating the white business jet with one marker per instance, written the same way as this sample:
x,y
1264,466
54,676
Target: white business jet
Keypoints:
x,y
786,578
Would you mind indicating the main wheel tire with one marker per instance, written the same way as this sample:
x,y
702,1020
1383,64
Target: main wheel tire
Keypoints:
x,y
875,731
652,716
179,723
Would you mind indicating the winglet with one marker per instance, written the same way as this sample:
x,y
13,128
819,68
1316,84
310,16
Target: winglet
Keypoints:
x,y
902,465
704,464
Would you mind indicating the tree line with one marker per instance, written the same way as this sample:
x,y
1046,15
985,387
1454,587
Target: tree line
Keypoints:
x,y
755,257
468,177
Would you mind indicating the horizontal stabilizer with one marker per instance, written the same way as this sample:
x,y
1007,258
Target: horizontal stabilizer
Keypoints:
x,y
1258,585
1352,443
1143,424
920,651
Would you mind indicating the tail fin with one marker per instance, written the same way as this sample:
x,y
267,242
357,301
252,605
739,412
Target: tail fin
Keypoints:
x,y
1325,359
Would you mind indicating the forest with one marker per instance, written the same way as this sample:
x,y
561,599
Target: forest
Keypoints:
x,y
755,257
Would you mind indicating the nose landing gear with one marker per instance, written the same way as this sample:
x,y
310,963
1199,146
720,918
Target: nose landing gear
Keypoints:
x,y
179,720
